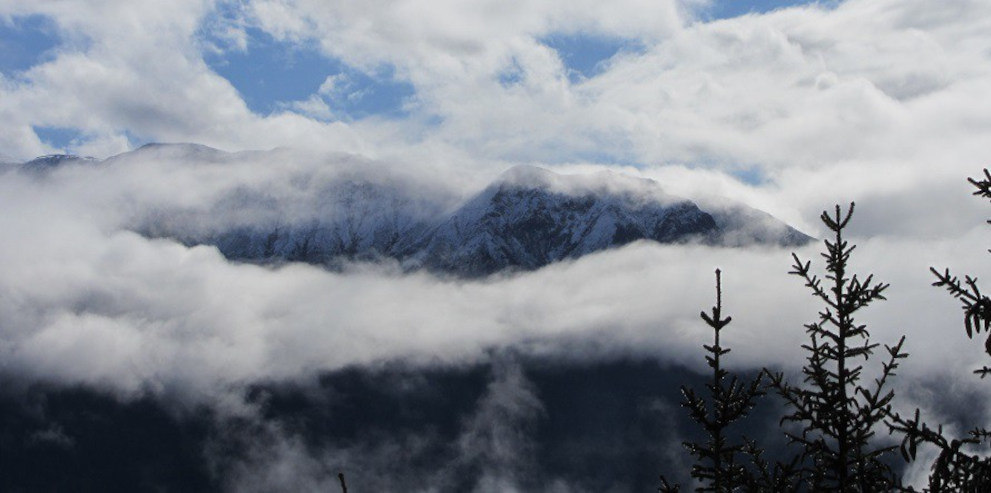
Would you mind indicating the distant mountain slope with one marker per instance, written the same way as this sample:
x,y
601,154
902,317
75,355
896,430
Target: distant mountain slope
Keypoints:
x,y
351,220
527,218
522,222
51,161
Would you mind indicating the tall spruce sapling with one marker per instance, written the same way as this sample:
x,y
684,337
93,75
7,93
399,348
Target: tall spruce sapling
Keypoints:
x,y
958,467
839,415
729,400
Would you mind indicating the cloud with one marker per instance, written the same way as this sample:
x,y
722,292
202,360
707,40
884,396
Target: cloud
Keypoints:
x,y
880,102
877,102
799,87
492,450
314,107
498,438
128,69
826,104
86,301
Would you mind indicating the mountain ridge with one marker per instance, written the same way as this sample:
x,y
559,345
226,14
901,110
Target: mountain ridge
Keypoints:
x,y
526,218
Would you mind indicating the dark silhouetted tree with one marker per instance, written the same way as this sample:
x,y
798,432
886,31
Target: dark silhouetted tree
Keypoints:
x,y
836,415
839,416
958,467
729,400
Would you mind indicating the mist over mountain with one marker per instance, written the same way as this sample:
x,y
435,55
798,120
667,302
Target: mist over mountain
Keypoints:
x,y
230,314
529,217
42,163
500,426
469,249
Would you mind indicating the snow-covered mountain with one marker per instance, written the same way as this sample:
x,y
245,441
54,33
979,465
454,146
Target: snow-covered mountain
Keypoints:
x,y
51,161
531,217
349,220
527,218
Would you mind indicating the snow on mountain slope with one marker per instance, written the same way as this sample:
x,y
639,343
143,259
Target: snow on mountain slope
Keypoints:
x,y
351,209
530,218
349,220
46,163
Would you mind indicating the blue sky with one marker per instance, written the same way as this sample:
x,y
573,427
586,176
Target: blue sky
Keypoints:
x,y
725,9
273,75
272,72
26,41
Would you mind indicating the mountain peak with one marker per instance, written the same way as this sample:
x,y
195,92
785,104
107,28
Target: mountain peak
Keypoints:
x,y
603,183
175,151
52,161
186,146
527,218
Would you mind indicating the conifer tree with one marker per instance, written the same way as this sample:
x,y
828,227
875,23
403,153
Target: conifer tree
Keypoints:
x,y
957,467
838,415
729,400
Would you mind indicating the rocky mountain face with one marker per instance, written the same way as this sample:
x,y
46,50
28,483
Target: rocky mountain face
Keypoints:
x,y
520,222
527,218
523,223
353,221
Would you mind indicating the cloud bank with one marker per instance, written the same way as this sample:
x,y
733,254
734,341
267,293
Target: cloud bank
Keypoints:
x,y
86,300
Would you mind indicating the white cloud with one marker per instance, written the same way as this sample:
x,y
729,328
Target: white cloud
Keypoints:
x,y
85,302
893,89
314,107
498,438
131,68
332,84
833,105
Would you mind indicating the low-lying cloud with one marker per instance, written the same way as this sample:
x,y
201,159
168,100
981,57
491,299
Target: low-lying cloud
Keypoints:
x,y
87,301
